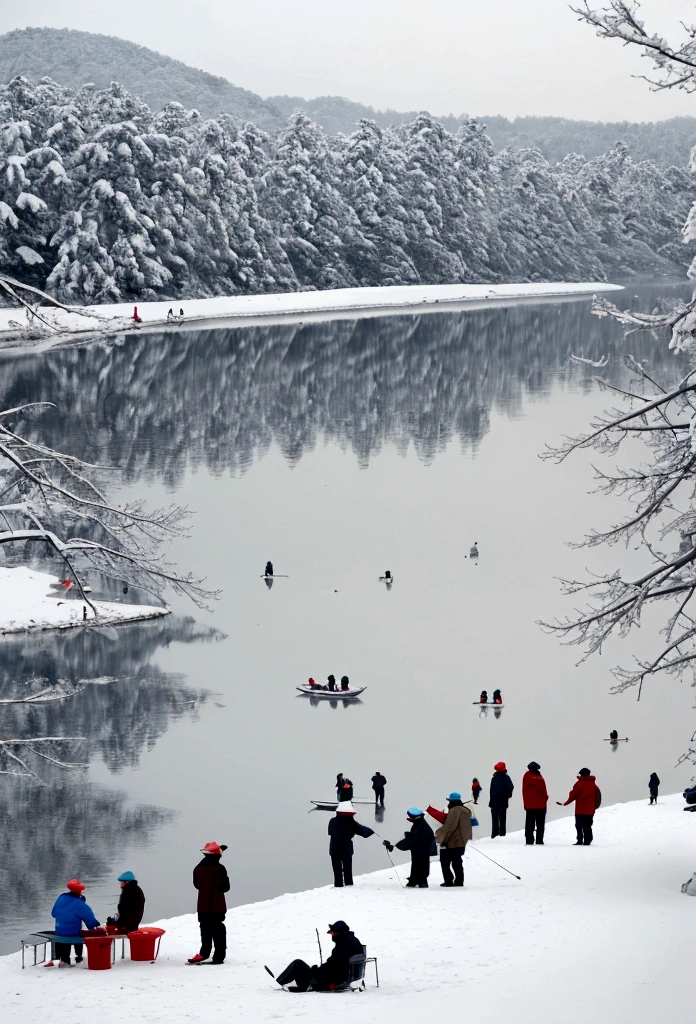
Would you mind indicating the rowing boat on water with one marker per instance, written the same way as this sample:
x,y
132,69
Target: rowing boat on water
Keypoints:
x,y
342,694
331,805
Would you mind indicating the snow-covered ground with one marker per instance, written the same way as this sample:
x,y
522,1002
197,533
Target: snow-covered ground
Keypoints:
x,y
17,330
27,602
599,934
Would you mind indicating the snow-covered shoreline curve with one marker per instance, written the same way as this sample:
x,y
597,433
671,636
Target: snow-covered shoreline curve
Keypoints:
x,y
17,331
598,934
29,604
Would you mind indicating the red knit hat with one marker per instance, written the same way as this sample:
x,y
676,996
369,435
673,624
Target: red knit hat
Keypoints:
x,y
500,767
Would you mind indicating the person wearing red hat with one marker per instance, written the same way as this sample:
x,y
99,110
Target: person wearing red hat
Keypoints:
x,y
499,797
71,912
211,879
342,828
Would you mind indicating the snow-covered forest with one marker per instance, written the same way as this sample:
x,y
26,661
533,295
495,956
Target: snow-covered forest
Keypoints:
x,y
103,199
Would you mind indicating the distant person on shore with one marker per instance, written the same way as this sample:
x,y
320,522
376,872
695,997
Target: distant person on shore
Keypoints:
x,y
499,797
131,904
334,972
452,836
420,840
587,797
378,783
476,788
211,880
535,799
71,912
653,786
342,828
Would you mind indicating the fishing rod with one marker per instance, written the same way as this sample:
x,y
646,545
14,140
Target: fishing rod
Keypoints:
x,y
495,862
321,955
390,859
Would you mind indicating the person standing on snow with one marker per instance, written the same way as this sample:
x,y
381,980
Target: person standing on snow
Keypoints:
x,y
322,978
131,904
71,912
535,798
452,836
420,840
378,783
211,880
499,797
587,797
653,786
476,788
342,828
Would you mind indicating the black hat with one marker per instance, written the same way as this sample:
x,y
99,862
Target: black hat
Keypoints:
x,y
338,926
584,771
533,766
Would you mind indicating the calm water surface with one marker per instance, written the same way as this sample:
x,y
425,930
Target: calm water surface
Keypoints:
x,y
337,450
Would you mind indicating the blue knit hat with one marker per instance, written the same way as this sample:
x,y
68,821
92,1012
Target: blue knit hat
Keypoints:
x,y
454,796
414,812
126,876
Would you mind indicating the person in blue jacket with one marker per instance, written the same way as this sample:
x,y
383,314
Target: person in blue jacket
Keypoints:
x,y
71,911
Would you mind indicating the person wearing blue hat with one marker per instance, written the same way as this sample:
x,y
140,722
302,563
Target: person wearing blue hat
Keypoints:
x,y
452,836
420,840
131,905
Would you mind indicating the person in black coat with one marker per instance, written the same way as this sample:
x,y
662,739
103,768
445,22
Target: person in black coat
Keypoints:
x,y
653,786
500,793
421,842
211,880
334,972
131,904
378,783
342,828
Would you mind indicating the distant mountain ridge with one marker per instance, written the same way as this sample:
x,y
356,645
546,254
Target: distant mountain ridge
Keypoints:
x,y
73,58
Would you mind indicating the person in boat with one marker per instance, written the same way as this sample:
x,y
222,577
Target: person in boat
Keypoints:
x,y
378,783
483,699
345,793
170,314
342,829
131,904
345,683
332,682
497,697
324,977
420,840
313,685
71,912
474,551
452,837
613,736
653,786
268,571
476,788
387,575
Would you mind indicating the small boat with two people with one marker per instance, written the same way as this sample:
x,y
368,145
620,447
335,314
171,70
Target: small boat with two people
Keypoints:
x,y
331,690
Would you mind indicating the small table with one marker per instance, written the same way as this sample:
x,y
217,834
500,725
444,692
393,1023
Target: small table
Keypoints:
x,y
43,938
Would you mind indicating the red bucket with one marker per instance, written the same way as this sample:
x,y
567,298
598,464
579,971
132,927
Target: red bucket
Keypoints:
x,y
143,942
98,952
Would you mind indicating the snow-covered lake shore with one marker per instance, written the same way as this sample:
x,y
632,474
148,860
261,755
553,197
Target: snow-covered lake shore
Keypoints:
x,y
28,603
590,934
18,331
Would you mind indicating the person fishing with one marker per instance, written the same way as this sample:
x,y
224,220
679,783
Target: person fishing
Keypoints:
x,y
268,571
342,829
323,977
71,912
587,797
452,836
131,904
484,697
420,840
211,880
497,697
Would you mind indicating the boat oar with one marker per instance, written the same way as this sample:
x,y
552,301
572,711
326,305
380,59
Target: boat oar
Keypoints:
x,y
494,862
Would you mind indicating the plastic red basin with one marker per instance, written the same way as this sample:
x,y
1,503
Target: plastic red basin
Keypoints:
x,y
143,942
98,952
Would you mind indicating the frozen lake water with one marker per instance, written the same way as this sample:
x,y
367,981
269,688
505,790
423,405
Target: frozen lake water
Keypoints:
x,y
337,450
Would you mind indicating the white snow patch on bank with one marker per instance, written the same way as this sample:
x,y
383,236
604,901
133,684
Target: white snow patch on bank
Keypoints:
x,y
239,310
27,602
600,933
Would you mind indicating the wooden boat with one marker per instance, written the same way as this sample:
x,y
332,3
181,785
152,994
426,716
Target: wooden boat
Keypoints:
x,y
331,805
488,704
332,694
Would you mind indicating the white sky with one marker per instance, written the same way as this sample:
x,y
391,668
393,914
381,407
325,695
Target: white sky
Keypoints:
x,y
477,56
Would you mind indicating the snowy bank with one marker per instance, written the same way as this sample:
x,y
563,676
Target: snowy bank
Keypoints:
x,y
599,933
27,602
18,330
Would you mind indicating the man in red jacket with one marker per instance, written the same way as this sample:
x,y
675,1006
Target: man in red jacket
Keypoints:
x,y
587,797
535,799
